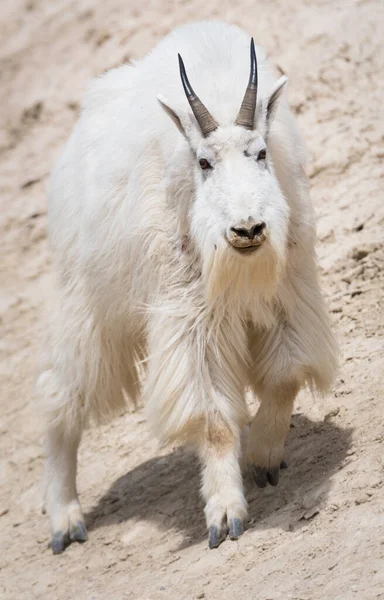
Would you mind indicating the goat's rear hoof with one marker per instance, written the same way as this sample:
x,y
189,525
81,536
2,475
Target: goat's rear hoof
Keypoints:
x,y
216,535
259,475
262,475
78,533
59,542
273,476
236,528
61,539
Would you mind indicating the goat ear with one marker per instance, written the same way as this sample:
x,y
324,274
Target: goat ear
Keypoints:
x,y
274,98
177,119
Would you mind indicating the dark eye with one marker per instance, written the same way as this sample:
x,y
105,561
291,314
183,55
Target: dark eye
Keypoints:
x,y
204,164
262,154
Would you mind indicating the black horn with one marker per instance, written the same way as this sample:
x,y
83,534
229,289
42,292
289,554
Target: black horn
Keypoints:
x,y
246,116
204,118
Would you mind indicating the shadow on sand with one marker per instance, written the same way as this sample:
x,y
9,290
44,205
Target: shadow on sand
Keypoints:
x,y
165,490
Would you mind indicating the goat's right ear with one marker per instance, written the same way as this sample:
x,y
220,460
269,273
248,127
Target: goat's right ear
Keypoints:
x,y
274,98
179,120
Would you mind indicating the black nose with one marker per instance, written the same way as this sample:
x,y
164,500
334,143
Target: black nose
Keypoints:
x,y
249,232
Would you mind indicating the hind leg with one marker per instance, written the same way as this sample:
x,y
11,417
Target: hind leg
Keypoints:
x,y
268,431
82,377
64,412
67,521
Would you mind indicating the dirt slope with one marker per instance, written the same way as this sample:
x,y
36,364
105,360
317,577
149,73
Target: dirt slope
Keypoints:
x,y
319,534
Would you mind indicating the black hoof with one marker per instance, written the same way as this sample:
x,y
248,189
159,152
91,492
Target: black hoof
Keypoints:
x,y
273,476
78,533
59,542
259,475
216,536
236,528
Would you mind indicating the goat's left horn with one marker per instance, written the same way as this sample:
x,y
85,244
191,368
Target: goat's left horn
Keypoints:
x,y
204,118
246,116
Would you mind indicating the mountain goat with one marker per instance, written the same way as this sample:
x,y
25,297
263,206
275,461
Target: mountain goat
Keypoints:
x,y
183,236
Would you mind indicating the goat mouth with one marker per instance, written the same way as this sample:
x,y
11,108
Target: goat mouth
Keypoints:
x,y
245,249
250,249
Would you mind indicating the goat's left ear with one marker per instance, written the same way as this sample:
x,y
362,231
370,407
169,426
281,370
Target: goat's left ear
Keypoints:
x,y
273,101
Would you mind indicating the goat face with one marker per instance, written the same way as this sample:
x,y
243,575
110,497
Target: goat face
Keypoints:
x,y
238,204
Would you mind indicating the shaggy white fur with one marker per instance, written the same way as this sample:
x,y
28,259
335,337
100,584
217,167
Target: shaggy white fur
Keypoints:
x,y
146,274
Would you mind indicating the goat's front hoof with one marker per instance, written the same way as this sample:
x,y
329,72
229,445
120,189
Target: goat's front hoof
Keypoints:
x,y
234,529
216,535
225,515
262,475
62,539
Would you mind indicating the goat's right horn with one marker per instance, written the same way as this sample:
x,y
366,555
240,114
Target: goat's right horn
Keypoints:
x,y
246,116
204,118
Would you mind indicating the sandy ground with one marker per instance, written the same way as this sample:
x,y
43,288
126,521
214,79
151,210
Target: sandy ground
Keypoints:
x,y
319,534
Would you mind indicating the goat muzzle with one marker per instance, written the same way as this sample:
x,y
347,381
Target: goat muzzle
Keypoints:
x,y
247,236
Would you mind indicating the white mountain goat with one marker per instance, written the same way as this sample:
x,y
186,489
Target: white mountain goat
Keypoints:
x,y
184,240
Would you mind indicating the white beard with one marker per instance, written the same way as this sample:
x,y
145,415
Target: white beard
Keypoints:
x,y
244,285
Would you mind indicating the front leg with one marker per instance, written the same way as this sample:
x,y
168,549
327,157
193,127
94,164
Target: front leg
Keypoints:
x,y
195,393
222,483
268,431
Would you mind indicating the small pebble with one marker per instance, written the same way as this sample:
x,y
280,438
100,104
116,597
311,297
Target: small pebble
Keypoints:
x,y
359,253
361,498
